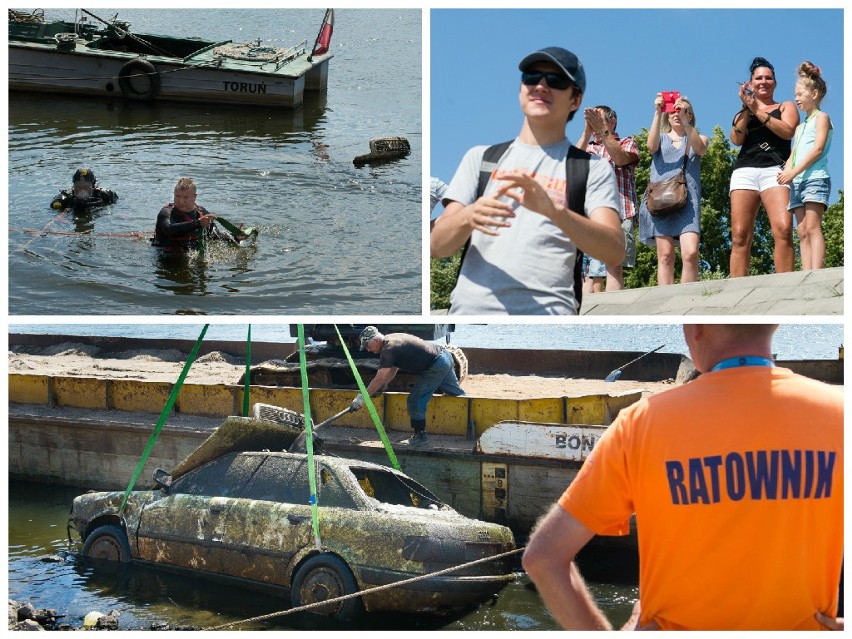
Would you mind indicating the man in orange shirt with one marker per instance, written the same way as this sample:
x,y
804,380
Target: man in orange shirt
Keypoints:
x,y
736,481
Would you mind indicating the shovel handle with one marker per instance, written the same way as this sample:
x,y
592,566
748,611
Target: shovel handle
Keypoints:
x,y
348,409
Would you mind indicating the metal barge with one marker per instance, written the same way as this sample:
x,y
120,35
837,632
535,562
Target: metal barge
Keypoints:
x,y
109,60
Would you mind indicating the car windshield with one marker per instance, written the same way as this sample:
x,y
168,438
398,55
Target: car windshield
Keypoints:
x,y
390,488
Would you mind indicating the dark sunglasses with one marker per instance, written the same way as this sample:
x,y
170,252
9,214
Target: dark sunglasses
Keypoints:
x,y
557,81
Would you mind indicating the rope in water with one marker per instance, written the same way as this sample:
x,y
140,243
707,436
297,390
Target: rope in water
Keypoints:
x,y
44,230
361,593
136,235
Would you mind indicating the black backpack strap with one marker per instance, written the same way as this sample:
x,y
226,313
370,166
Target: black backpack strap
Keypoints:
x,y
576,176
490,159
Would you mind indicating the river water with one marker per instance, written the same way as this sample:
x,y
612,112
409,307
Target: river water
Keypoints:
x,y
37,518
791,341
333,238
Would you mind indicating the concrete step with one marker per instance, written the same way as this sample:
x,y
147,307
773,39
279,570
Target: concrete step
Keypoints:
x,y
818,292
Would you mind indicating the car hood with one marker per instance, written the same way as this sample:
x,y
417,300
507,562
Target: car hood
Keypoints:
x,y
238,434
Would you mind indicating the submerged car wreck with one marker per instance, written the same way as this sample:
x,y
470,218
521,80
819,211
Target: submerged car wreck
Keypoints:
x,y
237,509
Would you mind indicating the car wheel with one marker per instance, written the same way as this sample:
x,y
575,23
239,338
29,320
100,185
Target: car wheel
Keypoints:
x,y
108,543
324,577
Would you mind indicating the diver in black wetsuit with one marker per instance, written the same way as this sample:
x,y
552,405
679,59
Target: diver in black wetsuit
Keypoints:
x,y
183,224
83,197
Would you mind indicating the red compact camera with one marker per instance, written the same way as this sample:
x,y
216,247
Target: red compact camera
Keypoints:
x,y
669,99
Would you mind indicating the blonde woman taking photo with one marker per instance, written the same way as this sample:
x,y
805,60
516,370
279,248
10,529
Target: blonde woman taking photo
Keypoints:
x,y
672,136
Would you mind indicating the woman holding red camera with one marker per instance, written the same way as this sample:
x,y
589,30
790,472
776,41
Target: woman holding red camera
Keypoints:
x,y
671,138
763,129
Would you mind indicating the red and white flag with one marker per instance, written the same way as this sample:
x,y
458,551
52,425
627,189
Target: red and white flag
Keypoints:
x,y
324,37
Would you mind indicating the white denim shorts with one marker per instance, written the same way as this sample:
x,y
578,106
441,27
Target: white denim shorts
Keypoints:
x,y
749,178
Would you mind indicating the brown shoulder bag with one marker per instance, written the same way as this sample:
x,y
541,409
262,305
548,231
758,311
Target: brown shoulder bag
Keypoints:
x,y
669,195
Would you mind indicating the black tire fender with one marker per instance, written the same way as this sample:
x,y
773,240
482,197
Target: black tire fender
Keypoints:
x,y
107,543
326,576
129,81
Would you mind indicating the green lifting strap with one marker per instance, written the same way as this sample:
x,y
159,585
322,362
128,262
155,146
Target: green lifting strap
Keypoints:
x,y
238,233
309,438
202,241
376,421
247,375
166,409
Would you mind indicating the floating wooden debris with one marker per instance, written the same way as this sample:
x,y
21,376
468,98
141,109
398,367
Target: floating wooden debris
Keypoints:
x,y
383,150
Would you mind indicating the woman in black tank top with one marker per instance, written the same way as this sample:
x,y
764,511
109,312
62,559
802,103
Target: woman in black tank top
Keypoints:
x,y
763,129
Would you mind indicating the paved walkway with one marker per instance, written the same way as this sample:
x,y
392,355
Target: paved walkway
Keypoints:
x,y
817,292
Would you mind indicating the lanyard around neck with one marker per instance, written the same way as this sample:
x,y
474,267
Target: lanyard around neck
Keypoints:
x,y
748,360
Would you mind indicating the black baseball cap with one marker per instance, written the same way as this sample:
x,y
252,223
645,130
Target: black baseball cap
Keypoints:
x,y
564,59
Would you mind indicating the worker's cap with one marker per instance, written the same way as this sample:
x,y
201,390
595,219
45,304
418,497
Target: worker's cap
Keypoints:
x,y
366,335
84,175
564,59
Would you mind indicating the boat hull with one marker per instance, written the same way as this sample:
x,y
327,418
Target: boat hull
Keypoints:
x,y
43,68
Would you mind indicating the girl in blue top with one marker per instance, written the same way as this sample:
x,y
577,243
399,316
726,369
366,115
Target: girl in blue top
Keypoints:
x,y
806,170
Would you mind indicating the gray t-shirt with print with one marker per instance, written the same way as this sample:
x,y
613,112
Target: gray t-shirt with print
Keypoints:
x,y
528,268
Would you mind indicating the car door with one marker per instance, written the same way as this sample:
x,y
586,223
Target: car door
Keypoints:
x,y
188,527
269,521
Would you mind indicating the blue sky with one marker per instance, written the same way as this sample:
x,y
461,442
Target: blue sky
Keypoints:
x,y
629,55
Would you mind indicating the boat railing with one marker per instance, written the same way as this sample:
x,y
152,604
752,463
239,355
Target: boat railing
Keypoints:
x,y
292,53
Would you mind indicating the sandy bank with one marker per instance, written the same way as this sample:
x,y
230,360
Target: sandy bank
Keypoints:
x,y
83,360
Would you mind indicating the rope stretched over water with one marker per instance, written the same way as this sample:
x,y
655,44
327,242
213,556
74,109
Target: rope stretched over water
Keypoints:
x,y
44,230
361,593
141,235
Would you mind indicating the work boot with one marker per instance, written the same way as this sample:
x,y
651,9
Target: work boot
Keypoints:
x,y
419,438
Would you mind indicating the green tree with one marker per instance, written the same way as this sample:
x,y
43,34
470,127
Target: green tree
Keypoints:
x,y
442,275
832,229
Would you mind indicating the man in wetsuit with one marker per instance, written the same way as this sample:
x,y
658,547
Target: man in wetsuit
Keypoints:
x,y
83,196
736,481
431,361
183,224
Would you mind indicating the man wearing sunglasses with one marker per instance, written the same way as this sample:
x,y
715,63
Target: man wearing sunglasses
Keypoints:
x,y
522,237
